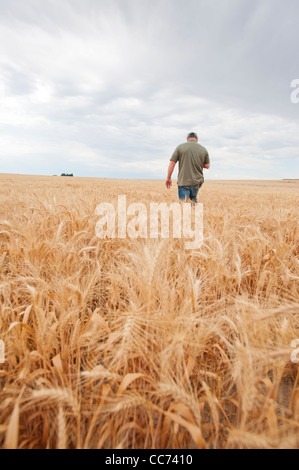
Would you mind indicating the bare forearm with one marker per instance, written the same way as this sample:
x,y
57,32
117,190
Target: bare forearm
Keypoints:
x,y
170,169
169,173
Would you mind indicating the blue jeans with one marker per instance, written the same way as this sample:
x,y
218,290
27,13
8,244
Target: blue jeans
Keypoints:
x,y
189,192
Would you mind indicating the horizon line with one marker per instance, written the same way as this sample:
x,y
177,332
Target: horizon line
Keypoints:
x,y
153,178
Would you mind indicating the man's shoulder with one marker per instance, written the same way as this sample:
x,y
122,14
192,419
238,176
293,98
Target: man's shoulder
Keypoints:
x,y
187,146
198,145
183,145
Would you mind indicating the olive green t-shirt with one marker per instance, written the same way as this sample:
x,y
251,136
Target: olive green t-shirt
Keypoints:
x,y
191,157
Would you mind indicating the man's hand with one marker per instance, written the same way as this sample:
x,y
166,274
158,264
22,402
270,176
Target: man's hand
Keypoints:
x,y
169,173
168,183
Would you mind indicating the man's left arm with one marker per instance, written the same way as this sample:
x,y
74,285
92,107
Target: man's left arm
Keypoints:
x,y
207,161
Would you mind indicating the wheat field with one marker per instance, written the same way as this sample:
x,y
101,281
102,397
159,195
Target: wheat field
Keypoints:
x,y
140,343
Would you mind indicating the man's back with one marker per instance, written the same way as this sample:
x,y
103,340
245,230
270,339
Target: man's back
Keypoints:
x,y
191,157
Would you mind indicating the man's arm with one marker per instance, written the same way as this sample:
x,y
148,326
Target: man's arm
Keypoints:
x,y
207,161
169,173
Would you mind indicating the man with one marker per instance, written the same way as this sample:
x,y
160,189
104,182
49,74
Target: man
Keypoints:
x,y
192,158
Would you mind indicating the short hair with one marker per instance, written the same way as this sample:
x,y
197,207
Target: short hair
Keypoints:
x,y
192,135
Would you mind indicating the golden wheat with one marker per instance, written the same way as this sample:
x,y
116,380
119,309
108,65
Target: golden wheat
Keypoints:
x,y
122,343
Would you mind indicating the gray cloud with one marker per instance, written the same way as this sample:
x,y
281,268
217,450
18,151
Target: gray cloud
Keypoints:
x,y
111,87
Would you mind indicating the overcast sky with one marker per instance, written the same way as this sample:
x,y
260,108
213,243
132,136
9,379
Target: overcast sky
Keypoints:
x,y
110,87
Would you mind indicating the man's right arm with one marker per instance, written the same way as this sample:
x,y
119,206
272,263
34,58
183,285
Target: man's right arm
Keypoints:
x,y
207,166
172,163
169,173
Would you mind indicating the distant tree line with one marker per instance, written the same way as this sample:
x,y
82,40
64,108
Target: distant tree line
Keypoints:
x,y
66,174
